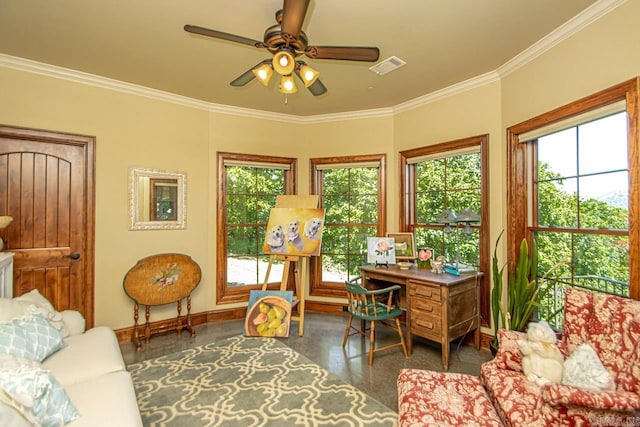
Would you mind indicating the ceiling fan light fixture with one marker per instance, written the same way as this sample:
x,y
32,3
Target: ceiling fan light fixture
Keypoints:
x,y
263,73
308,75
284,62
287,85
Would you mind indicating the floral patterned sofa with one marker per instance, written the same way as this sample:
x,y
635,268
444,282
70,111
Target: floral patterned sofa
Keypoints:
x,y
442,399
611,325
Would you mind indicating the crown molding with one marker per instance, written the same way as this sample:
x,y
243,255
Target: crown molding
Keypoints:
x,y
75,76
27,65
585,18
349,115
569,28
447,92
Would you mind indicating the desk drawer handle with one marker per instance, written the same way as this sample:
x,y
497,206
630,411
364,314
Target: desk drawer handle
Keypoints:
x,y
424,307
424,292
427,325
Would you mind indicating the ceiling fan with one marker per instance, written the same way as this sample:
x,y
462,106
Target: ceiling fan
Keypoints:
x,y
286,41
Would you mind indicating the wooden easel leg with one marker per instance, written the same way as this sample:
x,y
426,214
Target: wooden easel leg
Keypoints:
x,y
285,276
298,293
300,277
266,277
300,280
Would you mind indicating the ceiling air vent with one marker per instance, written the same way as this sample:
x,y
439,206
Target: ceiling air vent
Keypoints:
x,y
387,65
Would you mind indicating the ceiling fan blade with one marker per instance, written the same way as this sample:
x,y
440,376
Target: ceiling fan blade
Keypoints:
x,y
220,35
317,88
246,77
293,12
348,53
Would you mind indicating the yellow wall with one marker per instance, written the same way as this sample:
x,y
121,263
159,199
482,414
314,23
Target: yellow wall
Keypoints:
x,y
600,56
346,138
130,131
136,131
474,112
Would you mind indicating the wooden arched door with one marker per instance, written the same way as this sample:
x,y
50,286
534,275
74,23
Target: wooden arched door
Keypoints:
x,y
47,186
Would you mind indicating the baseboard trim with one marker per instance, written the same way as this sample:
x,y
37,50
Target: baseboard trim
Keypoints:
x,y
126,334
485,339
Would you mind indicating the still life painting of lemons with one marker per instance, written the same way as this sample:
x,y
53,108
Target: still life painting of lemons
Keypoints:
x,y
269,317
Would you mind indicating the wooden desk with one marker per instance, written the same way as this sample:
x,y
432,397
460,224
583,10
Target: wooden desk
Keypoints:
x,y
439,307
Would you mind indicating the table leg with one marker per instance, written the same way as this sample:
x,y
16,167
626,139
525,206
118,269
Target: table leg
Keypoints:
x,y
445,354
179,319
147,324
136,332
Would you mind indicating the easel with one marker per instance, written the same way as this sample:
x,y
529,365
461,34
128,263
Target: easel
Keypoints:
x,y
300,275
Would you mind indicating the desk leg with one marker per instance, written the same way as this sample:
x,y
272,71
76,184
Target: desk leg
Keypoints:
x,y
445,354
407,317
408,338
476,337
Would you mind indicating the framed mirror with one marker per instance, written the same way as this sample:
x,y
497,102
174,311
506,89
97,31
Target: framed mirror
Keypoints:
x,y
157,200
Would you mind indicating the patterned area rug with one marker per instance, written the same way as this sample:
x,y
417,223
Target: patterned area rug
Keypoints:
x,y
249,382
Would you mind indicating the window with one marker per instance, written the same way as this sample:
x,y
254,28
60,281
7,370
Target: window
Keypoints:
x,y
352,192
247,190
578,196
448,176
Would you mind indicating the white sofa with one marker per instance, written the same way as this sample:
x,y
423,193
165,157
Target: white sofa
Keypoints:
x,y
90,369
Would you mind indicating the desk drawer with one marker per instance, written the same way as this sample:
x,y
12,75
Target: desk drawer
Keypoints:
x,y
423,290
426,326
426,306
382,277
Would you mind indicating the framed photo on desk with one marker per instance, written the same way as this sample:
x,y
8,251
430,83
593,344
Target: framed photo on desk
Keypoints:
x,y
404,246
380,250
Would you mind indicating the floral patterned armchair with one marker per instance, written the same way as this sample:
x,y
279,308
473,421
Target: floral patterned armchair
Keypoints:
x,y
611,325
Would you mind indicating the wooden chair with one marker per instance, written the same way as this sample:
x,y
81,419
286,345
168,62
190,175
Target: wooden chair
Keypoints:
x,y
373,305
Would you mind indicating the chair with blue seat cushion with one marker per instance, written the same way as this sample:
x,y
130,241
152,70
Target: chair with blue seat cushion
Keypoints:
x,y
373,305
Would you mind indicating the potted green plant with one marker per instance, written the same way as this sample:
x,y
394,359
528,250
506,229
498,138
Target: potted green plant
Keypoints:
x,y
497,311
524,292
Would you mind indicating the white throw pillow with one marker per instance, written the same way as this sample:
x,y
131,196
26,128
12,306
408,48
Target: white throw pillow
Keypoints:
x,y
47,309
10,309
583,368
30,336
36,391
74,321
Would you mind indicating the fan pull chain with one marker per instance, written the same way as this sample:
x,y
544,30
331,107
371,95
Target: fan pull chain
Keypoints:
x,y
286,99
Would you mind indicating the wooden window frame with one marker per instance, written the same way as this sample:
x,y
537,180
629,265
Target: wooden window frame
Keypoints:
x,y
334,289
225,294
518,190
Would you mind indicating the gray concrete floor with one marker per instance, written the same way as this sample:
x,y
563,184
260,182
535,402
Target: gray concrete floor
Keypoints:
x,y
322,343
